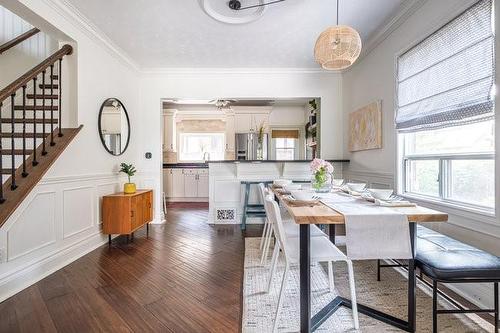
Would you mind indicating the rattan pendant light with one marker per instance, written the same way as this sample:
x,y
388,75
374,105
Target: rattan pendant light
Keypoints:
x,y
337,47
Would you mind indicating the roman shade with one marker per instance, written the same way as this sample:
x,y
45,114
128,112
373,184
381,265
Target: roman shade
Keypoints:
x,y
285,134
447,79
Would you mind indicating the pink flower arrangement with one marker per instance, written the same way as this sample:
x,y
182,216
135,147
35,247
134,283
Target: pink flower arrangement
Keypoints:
x,y
319,165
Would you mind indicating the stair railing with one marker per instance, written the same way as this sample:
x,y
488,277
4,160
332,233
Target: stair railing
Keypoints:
x,y
19,39
20,86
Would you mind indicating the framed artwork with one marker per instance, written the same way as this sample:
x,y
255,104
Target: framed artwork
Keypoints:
x,y
365,127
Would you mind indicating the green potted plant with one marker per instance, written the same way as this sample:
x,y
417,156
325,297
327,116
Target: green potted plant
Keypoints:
x,y
129,170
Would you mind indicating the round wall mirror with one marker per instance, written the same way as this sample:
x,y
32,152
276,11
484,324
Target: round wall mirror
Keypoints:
x,y
114,126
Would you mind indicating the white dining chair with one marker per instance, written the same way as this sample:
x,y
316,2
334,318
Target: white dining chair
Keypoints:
x,y
322,250
291,228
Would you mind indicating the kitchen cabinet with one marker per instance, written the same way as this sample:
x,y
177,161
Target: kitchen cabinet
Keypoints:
x,y
248,122
190,183
230,130
184,183
169,131
177,183
203,185
168,182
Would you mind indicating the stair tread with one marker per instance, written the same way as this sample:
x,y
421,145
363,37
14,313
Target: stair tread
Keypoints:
x,y
41,96
20,135
28,121
6,171
16,152
48,86
38,107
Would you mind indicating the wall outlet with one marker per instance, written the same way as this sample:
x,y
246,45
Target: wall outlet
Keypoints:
x,y
3,255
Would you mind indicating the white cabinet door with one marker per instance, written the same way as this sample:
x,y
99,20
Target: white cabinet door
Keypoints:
x,y
169,134
230,130
202,186
243,122
177,183
167,182
190,183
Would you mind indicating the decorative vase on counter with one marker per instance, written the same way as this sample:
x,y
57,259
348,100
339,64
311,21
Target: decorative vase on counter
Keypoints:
x,y
322,175
260,151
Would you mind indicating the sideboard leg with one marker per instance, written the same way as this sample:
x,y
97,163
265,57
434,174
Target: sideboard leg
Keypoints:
x,y
147,229
109,240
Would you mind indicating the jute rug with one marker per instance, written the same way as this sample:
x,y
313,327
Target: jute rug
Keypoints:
x,y
388,295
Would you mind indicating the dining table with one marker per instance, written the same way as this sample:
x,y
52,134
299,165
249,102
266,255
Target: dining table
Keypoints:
x,y
320,213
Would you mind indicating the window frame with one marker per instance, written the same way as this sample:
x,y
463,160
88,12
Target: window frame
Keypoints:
x,y
293,149
184,134
478,212
444,176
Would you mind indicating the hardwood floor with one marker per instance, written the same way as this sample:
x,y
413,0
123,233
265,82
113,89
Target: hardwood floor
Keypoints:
x,y
186,277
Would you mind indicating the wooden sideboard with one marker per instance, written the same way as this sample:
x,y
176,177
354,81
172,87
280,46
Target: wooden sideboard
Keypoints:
x,y
124,213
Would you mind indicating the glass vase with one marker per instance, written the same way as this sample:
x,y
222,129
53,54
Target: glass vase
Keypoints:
x,y
322,183
260,151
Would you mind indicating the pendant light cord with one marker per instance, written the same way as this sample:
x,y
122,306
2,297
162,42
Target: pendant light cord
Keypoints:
x,y
337,12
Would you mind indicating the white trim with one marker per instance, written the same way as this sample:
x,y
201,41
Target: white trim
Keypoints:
x,y
233,70
82,23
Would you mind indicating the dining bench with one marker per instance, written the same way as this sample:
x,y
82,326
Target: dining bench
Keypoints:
x,y
447,260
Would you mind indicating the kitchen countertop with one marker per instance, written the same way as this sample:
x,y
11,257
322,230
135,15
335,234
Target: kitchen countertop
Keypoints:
x,y
274,161
200,165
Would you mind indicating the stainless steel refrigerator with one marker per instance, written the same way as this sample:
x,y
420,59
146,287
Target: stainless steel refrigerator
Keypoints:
x,y
247,145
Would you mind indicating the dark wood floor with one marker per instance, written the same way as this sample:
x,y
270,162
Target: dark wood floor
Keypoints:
x,y
186,277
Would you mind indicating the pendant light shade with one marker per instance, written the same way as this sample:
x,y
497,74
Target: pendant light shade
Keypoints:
x,y
337,47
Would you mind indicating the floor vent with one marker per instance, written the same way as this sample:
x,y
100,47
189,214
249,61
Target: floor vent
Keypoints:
x,y
225,215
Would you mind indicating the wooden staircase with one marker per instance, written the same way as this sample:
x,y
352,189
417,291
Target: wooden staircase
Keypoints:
x,y
31,133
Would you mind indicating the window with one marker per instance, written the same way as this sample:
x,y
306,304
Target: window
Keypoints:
x,y
285,148
445,112
193,146
455,164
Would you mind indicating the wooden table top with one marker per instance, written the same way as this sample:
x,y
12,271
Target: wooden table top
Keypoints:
x,y
323,214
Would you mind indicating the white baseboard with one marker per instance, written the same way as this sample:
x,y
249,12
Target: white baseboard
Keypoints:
x,y
23,278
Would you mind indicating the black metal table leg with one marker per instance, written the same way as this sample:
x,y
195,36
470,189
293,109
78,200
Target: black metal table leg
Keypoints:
x,y
305,279
412,280
109,240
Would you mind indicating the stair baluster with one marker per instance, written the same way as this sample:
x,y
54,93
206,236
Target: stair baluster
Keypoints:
x,y
35,162
13,185
24,174
52,143
2,199
60,99
44,152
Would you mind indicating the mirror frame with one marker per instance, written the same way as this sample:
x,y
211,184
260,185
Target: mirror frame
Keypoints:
x,y
99,126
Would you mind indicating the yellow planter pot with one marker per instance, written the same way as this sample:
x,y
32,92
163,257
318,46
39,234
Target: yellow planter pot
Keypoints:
x,y
129,188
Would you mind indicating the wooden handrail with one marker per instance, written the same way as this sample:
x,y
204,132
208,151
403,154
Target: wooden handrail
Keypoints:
x,y
34,72
19,39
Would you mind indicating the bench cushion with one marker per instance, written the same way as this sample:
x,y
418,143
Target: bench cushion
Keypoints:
x,y
446,259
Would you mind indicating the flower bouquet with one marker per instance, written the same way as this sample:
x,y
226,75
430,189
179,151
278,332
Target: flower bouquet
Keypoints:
x,y
322,175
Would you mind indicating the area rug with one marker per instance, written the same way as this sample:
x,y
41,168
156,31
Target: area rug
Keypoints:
x,y
388,295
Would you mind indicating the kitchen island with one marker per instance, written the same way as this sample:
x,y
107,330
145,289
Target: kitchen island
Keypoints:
x,y
227,193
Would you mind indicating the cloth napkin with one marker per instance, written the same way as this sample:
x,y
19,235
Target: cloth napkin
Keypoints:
x,y
372,232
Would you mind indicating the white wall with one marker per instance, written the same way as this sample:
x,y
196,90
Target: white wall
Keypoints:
x,y
374,78
287,116
235,84
59,220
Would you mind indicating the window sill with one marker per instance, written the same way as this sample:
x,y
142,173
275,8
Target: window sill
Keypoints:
x,y
477,213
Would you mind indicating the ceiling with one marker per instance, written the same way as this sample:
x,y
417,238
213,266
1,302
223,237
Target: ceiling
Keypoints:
x,y
209,105
179,34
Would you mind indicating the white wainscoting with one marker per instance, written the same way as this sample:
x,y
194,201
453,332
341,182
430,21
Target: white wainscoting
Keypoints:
x,y
58,222
467,227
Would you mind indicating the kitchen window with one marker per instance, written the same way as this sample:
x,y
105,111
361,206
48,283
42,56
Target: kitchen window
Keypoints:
x,y
201,146
285,143
445,113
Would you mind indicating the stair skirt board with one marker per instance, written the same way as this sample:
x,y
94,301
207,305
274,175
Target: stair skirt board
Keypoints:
x,y
389,295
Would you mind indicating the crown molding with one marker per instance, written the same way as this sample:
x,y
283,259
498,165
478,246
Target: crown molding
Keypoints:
x,y
82,23
234,70
407,9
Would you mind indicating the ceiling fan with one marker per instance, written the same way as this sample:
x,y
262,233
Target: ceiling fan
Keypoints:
x,y
222,103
